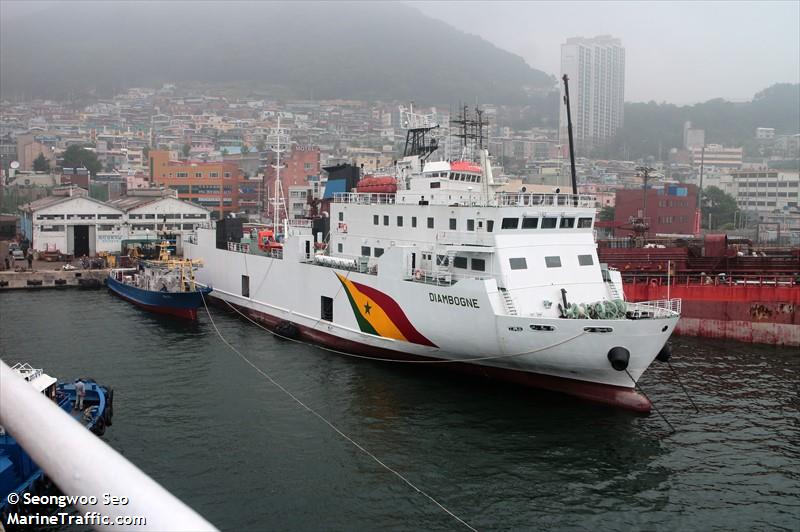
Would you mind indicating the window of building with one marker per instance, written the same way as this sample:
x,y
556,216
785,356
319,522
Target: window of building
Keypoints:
x,y
549,223
375,219
489,226
553,262
510,223
518,263
213,174
460,262
585,260
188,226
109,216
365,251
181,174
386,220
399,221
341,216
430,223
584,223
52,228
452,224
378,252
227,175
479,265
530,223
567,223
105,227
413,221
470,225
198,174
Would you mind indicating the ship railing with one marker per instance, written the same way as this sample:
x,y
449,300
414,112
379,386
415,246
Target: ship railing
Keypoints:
x,y
661,308
528,199
299,222
84,466
239,247
442,277
364,198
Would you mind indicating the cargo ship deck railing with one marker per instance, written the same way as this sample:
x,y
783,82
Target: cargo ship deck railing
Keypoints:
x,y
663,279
85,467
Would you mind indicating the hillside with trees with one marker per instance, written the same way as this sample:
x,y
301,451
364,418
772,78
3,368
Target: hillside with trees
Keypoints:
x,y
318,50
650,126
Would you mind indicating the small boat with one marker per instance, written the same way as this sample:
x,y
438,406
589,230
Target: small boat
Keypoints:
x,y
164,286
18,472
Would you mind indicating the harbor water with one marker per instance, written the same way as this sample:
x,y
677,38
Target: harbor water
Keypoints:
x,y
211,429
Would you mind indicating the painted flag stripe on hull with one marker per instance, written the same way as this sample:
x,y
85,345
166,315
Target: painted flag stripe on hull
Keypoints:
x,y
379,314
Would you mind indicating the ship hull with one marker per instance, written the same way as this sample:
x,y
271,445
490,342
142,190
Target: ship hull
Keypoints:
x,y
616,396
459,326
762,314
179,304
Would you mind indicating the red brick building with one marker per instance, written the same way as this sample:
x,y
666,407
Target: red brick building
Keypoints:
x,y
671,209
215,185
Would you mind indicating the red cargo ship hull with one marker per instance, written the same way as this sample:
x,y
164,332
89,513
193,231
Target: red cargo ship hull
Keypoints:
x,y
749,310
728,291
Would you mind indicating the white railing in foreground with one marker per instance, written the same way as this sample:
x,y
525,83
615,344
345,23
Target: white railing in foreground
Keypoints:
x,y
662,308
81,464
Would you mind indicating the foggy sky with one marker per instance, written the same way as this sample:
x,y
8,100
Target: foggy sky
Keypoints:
x,y
678,52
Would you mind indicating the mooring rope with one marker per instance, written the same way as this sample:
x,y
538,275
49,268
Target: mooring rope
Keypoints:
x,y
331,425
438,361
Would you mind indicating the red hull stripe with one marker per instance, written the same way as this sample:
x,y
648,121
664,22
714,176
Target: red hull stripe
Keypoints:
x,y
395,313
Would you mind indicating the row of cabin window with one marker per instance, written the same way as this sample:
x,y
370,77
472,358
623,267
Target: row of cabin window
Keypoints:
x,y
456,176
365,251
519,263
508,223
564,222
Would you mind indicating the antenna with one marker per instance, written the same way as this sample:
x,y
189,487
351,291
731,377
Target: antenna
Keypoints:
x,y
278,139
569,133
418,126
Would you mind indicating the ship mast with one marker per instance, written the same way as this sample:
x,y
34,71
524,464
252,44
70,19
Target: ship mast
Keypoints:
x,y
278,140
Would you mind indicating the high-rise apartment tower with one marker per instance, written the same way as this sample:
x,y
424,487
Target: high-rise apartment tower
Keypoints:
x,y
596,71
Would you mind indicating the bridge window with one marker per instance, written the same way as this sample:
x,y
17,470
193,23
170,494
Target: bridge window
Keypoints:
x,y
510,223
530,223
470,225
460,262
430,223
452,224
549,223
479,265
518,263
553,262
567,223
584,223
585,260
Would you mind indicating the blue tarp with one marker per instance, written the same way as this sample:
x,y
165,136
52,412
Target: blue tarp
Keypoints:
x,y
333,186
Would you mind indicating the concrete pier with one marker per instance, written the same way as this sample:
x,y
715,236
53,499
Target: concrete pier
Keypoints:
x,y
13,280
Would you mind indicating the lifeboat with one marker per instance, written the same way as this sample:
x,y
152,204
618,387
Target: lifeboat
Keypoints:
x,y
377,185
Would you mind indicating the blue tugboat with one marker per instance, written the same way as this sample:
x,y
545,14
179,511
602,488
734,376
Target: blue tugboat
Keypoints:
x,y
18,473
165,286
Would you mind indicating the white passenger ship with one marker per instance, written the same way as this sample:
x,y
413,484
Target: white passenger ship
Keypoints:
x,y
449,270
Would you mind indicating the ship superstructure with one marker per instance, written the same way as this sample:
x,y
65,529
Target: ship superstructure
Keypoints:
x,y
451,271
